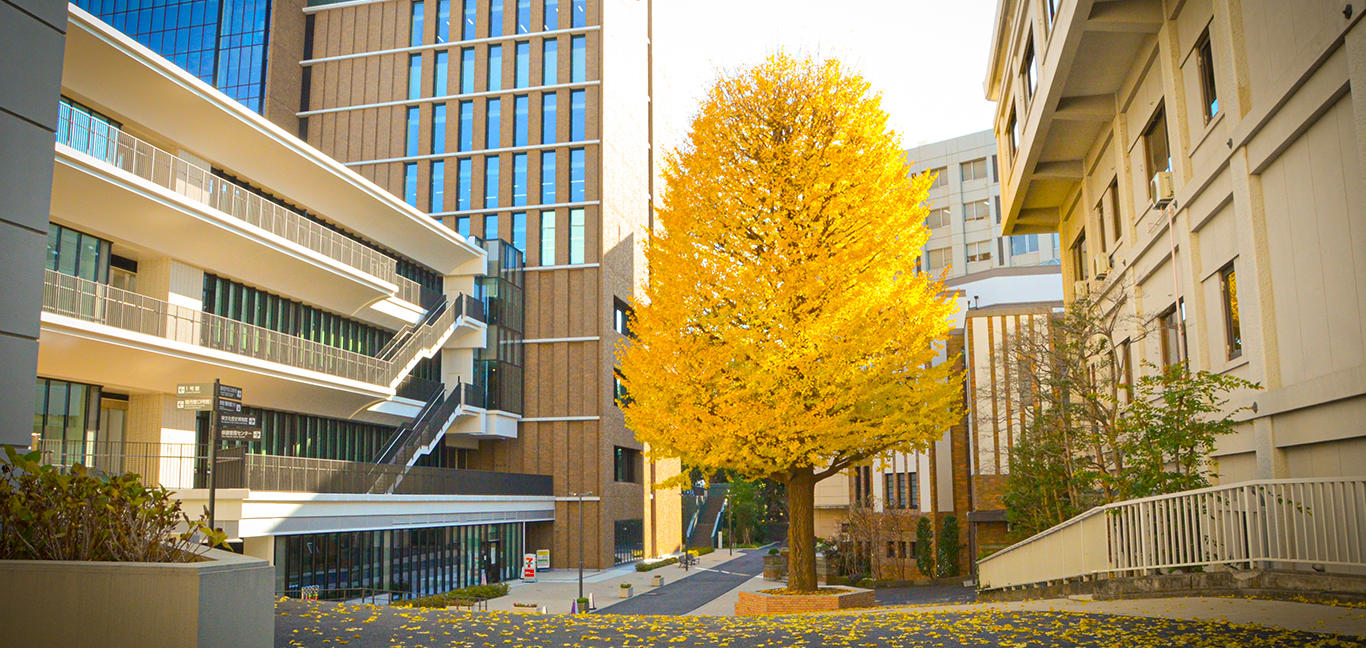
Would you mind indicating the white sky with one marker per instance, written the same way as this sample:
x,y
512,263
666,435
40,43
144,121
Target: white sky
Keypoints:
x,y
926,57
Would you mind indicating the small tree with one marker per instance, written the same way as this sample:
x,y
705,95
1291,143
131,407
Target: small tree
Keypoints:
x,y
924,547
948,547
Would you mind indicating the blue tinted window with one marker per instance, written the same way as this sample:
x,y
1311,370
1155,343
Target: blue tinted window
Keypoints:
x,y
465,186
466,126
552,14
439,128
414,76
1024,244
439,74
495,17
490,182
443,21
547,177
576,175
549,63
410,183
523,16
580,13
415,33
523,64
578,59
578,102
241,72
438,186
462,225
495,121
519,180
548,120
521,117
467,70
519,231
547,238
495,67
471,16
414,124
186,32
491,226
577,236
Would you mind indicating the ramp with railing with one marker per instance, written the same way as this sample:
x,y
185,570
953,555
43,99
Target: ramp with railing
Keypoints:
x,y
1317,524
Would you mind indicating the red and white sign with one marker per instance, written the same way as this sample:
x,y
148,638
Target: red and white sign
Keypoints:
x,y
529,567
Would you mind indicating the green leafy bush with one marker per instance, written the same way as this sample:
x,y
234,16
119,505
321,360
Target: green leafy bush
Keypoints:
x,y
644,566
471,593
948,547
72,513
701,551
924,546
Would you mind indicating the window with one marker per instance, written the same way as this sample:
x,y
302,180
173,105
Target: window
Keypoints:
x,y
976,210
465,186
466,126
521,118
552,14
519,179
414,76
863,485
462,226
577,119
1027,71
495,17
523,64
491,182
979,251
443,21
438,197
410,183
901,544
938,259
1023,244
549,63
1013,129
523,16
576,175
495,81
1209,93
548,118
414,125
577,238
439,128
1228,290
547,238
439,74
490,227
471,16
624,463
621,317
578,59
941,178
77,254
1079,257
938,217
891,548
1173,338
580,9
897,489
519,231
492,137
1111,203
547,177
974,169
415,31
467,70
1156,152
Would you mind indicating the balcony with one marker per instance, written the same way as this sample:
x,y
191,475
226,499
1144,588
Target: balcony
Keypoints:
x,y
122,187
97,333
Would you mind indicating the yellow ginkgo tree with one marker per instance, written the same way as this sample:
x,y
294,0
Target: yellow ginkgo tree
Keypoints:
x,y
785,332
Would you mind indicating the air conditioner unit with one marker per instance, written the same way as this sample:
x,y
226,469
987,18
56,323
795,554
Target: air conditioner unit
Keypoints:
x,y
1162,190
1101,266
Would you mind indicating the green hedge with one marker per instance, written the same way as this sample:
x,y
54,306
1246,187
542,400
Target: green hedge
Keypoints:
x,y
475,592
644,567
702,551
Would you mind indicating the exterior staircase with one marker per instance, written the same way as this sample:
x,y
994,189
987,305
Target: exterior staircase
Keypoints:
x,y
703,533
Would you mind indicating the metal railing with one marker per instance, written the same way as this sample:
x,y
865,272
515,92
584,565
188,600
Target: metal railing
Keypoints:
x,y
1319,523
168,170
103,304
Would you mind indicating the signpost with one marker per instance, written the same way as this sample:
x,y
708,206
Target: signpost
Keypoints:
x,y
542,559
529,567
226,421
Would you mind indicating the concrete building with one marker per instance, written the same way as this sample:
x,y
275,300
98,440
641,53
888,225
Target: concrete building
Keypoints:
x,y
965,210
1201,162
191,240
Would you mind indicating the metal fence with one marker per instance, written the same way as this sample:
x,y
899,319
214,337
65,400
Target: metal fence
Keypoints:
x,y
1319,523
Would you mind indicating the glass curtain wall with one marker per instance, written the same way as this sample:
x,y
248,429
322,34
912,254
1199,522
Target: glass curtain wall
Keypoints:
x,y
498,366
66,420
243,303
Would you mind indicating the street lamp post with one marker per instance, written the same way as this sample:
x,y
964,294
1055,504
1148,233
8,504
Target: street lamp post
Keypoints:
x,y
730,523
580,497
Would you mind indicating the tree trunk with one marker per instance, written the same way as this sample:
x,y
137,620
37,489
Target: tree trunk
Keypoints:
x,y
801,531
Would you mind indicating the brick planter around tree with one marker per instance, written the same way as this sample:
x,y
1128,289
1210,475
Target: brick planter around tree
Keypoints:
x,y
752,603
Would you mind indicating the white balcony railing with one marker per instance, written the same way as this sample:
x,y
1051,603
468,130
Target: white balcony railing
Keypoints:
x,y
165,169
1318,523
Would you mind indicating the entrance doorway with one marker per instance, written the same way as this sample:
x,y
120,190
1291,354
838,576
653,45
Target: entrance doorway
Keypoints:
x,y
493,569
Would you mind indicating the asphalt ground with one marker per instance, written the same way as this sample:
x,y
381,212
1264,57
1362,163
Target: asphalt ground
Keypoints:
x,y
696,589
315,623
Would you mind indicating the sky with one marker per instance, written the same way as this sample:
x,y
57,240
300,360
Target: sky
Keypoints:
x,y
927,57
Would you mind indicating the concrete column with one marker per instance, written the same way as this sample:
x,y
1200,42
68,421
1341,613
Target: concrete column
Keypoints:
x,y
183,287
162,439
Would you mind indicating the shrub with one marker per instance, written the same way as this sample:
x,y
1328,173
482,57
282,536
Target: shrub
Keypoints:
x,y
73,513
473,592
702,551
924,541
773,551
647,566
948,547
625,586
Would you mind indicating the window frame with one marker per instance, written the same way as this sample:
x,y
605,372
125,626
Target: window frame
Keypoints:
x,y
1149,131
1209,87
1228,296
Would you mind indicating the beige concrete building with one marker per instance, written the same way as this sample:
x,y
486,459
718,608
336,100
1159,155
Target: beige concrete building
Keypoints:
x,y
1201,161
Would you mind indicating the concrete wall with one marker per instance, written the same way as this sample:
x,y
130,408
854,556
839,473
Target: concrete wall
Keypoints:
x,y
32,38
225,602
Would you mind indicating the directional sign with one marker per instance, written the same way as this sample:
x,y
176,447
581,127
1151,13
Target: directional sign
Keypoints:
x,y
196,404
229,406
235,434
228,391
195,389
238,421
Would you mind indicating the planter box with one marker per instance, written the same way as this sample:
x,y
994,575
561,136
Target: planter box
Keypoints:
x,y
752,603
775,567
225,601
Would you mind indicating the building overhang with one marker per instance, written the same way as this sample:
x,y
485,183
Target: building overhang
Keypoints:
x,y
105,67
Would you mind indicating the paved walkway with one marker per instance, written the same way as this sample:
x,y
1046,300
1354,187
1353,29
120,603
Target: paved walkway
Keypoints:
x,y
692,592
